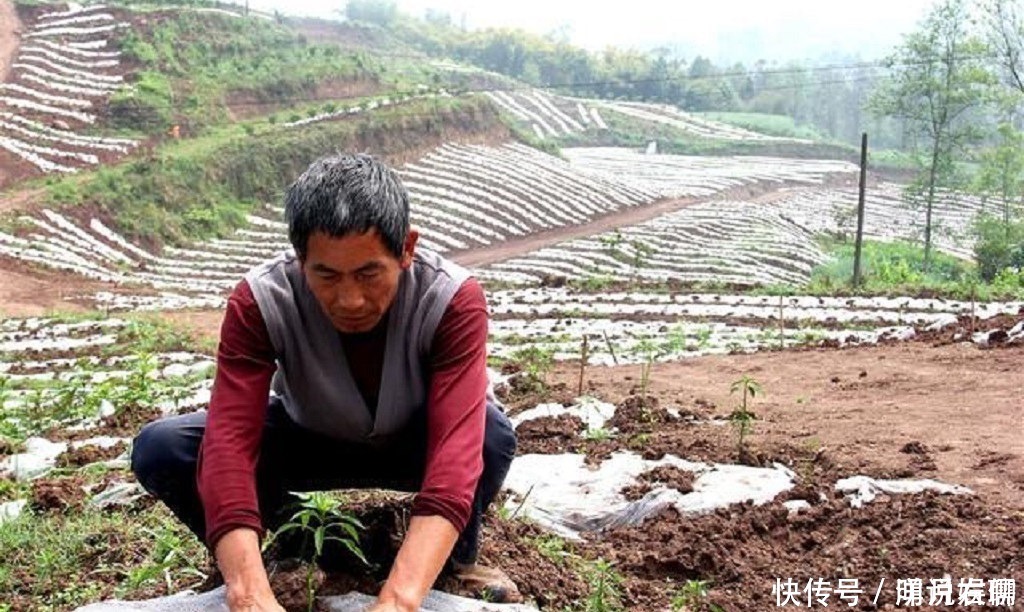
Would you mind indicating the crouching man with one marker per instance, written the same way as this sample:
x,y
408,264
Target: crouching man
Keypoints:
x,y
376,355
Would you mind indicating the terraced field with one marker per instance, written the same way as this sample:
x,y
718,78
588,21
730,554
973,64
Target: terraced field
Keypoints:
x,y
64,72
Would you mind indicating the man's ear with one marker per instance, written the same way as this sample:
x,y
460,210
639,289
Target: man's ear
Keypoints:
x,y
409,248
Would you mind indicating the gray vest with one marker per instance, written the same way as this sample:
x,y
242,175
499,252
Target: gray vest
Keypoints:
x,y
313,377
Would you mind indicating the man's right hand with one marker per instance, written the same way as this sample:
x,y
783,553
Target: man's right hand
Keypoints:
x,y
239,560
246,603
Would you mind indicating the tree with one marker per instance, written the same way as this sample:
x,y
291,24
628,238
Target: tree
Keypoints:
x,y
706,91
380,12
936,77
1005,21
1002,173
438,18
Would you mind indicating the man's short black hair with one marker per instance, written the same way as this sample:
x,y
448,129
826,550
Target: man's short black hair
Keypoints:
x,y
344,194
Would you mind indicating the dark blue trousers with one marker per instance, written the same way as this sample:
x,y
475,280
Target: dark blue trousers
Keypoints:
x,y
292,458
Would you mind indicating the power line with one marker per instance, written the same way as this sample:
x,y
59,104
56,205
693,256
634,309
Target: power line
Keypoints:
x,y
284,100
618,83
294,114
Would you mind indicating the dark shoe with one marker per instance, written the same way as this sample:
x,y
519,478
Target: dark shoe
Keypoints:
x,y
487,583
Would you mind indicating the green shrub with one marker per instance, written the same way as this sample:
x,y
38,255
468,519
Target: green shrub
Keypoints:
x,y
998,246
145,106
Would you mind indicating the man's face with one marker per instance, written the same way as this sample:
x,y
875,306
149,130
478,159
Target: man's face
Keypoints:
x,y
354,277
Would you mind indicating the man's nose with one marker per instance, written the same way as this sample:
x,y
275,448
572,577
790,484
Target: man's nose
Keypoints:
x,y
349,300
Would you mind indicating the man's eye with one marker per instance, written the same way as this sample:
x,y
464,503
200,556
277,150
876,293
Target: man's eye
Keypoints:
x,y
367,276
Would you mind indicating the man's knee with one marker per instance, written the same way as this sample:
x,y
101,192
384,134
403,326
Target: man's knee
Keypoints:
x,y
499,437
161,447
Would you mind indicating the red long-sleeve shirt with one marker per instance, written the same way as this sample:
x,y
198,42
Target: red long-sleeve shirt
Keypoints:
x,y
456,410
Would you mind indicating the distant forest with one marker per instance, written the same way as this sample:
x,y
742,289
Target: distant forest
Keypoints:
x,y
831,98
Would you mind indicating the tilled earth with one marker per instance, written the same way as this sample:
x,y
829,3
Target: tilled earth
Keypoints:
x,y
950,412
745,552
930,409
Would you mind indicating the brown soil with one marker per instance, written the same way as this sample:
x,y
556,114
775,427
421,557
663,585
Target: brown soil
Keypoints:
x,y
29,292
90,453
553,583
247,104
740,550
956,409
57,495
24,199
289,583
549,435
202,324
126,422
668,476
891,411
12,170
743,550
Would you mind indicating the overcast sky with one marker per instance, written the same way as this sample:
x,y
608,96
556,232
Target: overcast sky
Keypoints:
x,y
724,30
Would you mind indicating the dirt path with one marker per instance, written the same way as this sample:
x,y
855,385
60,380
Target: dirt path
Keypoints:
x,y
23,200
10,36
963,404
537,240
34,294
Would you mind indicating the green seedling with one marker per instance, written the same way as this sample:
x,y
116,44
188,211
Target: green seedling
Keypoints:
x,y
691,597
169,555
553,548
320,516
742,418
704,338
605,584
537,363
648,352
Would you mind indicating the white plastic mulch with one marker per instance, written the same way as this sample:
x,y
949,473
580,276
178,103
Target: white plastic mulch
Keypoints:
x,y
213,601
862,489
564,495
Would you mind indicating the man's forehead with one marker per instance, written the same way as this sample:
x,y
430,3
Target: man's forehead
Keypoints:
x,y
347,253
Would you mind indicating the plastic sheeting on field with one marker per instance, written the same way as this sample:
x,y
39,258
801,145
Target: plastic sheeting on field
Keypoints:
x,y
863,489
38,458
562,494
41,454
11,510
119,494
592,412
213,601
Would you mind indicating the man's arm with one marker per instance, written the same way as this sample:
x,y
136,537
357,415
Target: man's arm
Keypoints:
x,y
426,547
226,474
456,414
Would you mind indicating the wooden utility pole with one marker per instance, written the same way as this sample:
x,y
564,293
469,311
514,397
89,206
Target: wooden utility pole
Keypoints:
x,y
860,208
584,354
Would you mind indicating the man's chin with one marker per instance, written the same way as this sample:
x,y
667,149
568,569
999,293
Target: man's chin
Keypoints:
x,y
357,326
